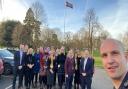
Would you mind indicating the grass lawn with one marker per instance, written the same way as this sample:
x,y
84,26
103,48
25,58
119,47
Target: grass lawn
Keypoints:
x,y
98,61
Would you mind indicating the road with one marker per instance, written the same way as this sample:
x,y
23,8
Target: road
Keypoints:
x,y
100,81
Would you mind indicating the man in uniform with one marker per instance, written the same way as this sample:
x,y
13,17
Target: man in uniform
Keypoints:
x,y
115,62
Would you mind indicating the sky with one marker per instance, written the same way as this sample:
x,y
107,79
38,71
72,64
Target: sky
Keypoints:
x,y
112,14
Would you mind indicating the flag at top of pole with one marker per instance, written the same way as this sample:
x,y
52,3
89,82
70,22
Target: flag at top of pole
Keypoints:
x,y
70,5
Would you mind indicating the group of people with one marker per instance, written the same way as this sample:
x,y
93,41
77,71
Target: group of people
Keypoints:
x,y
48,64
44,65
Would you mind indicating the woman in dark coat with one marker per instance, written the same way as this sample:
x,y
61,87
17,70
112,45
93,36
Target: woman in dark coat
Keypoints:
x,y
77,70
60,67
29,63
36,66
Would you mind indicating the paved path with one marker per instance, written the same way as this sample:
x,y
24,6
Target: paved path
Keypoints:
x,y
100,81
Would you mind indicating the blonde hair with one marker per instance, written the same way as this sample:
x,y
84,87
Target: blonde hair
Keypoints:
x,y
30,50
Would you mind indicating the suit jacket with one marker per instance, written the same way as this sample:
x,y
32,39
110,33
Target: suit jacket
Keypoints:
x,y
89,67
124,84
17,59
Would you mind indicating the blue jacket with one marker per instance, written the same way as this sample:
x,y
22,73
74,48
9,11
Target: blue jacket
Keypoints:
x,y
36,63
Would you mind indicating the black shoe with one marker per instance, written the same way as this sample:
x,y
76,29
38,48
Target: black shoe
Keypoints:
x,y
41,86
35,85
27,87
74,86
60,87
19,87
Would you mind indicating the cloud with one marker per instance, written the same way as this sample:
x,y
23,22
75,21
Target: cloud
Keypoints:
x,y
113,16
115,20
12,9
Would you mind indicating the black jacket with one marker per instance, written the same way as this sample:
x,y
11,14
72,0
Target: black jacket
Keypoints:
x,y
124,84
61,62
29,60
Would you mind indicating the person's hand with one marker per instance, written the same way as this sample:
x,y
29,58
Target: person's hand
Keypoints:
x,y
66,75
19,67
58,66
51,71
45,67
30,66
75,67
83,74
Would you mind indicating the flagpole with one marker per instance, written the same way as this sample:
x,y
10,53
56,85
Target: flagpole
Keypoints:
x,y
1,4
64,20
67,4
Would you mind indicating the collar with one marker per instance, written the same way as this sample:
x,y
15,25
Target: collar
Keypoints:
x,y
124,84
86,58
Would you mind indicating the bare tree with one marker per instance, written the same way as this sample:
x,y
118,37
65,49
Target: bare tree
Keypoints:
x,y
39,12
76,41
17,34
103,34
59,33
49,37
92,25
125,39
68,39
100,36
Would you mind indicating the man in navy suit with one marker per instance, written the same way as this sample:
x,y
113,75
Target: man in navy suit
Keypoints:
x,y
86,70
18,66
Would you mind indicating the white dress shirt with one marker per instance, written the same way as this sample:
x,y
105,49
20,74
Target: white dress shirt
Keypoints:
x,y
85,62
21,54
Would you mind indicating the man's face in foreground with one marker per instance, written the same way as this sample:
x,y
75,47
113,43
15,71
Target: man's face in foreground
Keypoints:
x,y
113,59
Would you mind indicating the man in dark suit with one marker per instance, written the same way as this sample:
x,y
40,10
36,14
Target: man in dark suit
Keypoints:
x,y
18,67
86,70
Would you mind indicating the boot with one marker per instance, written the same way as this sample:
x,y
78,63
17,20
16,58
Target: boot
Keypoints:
x,y
35,85
77,86
60,87
41,86
74,86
